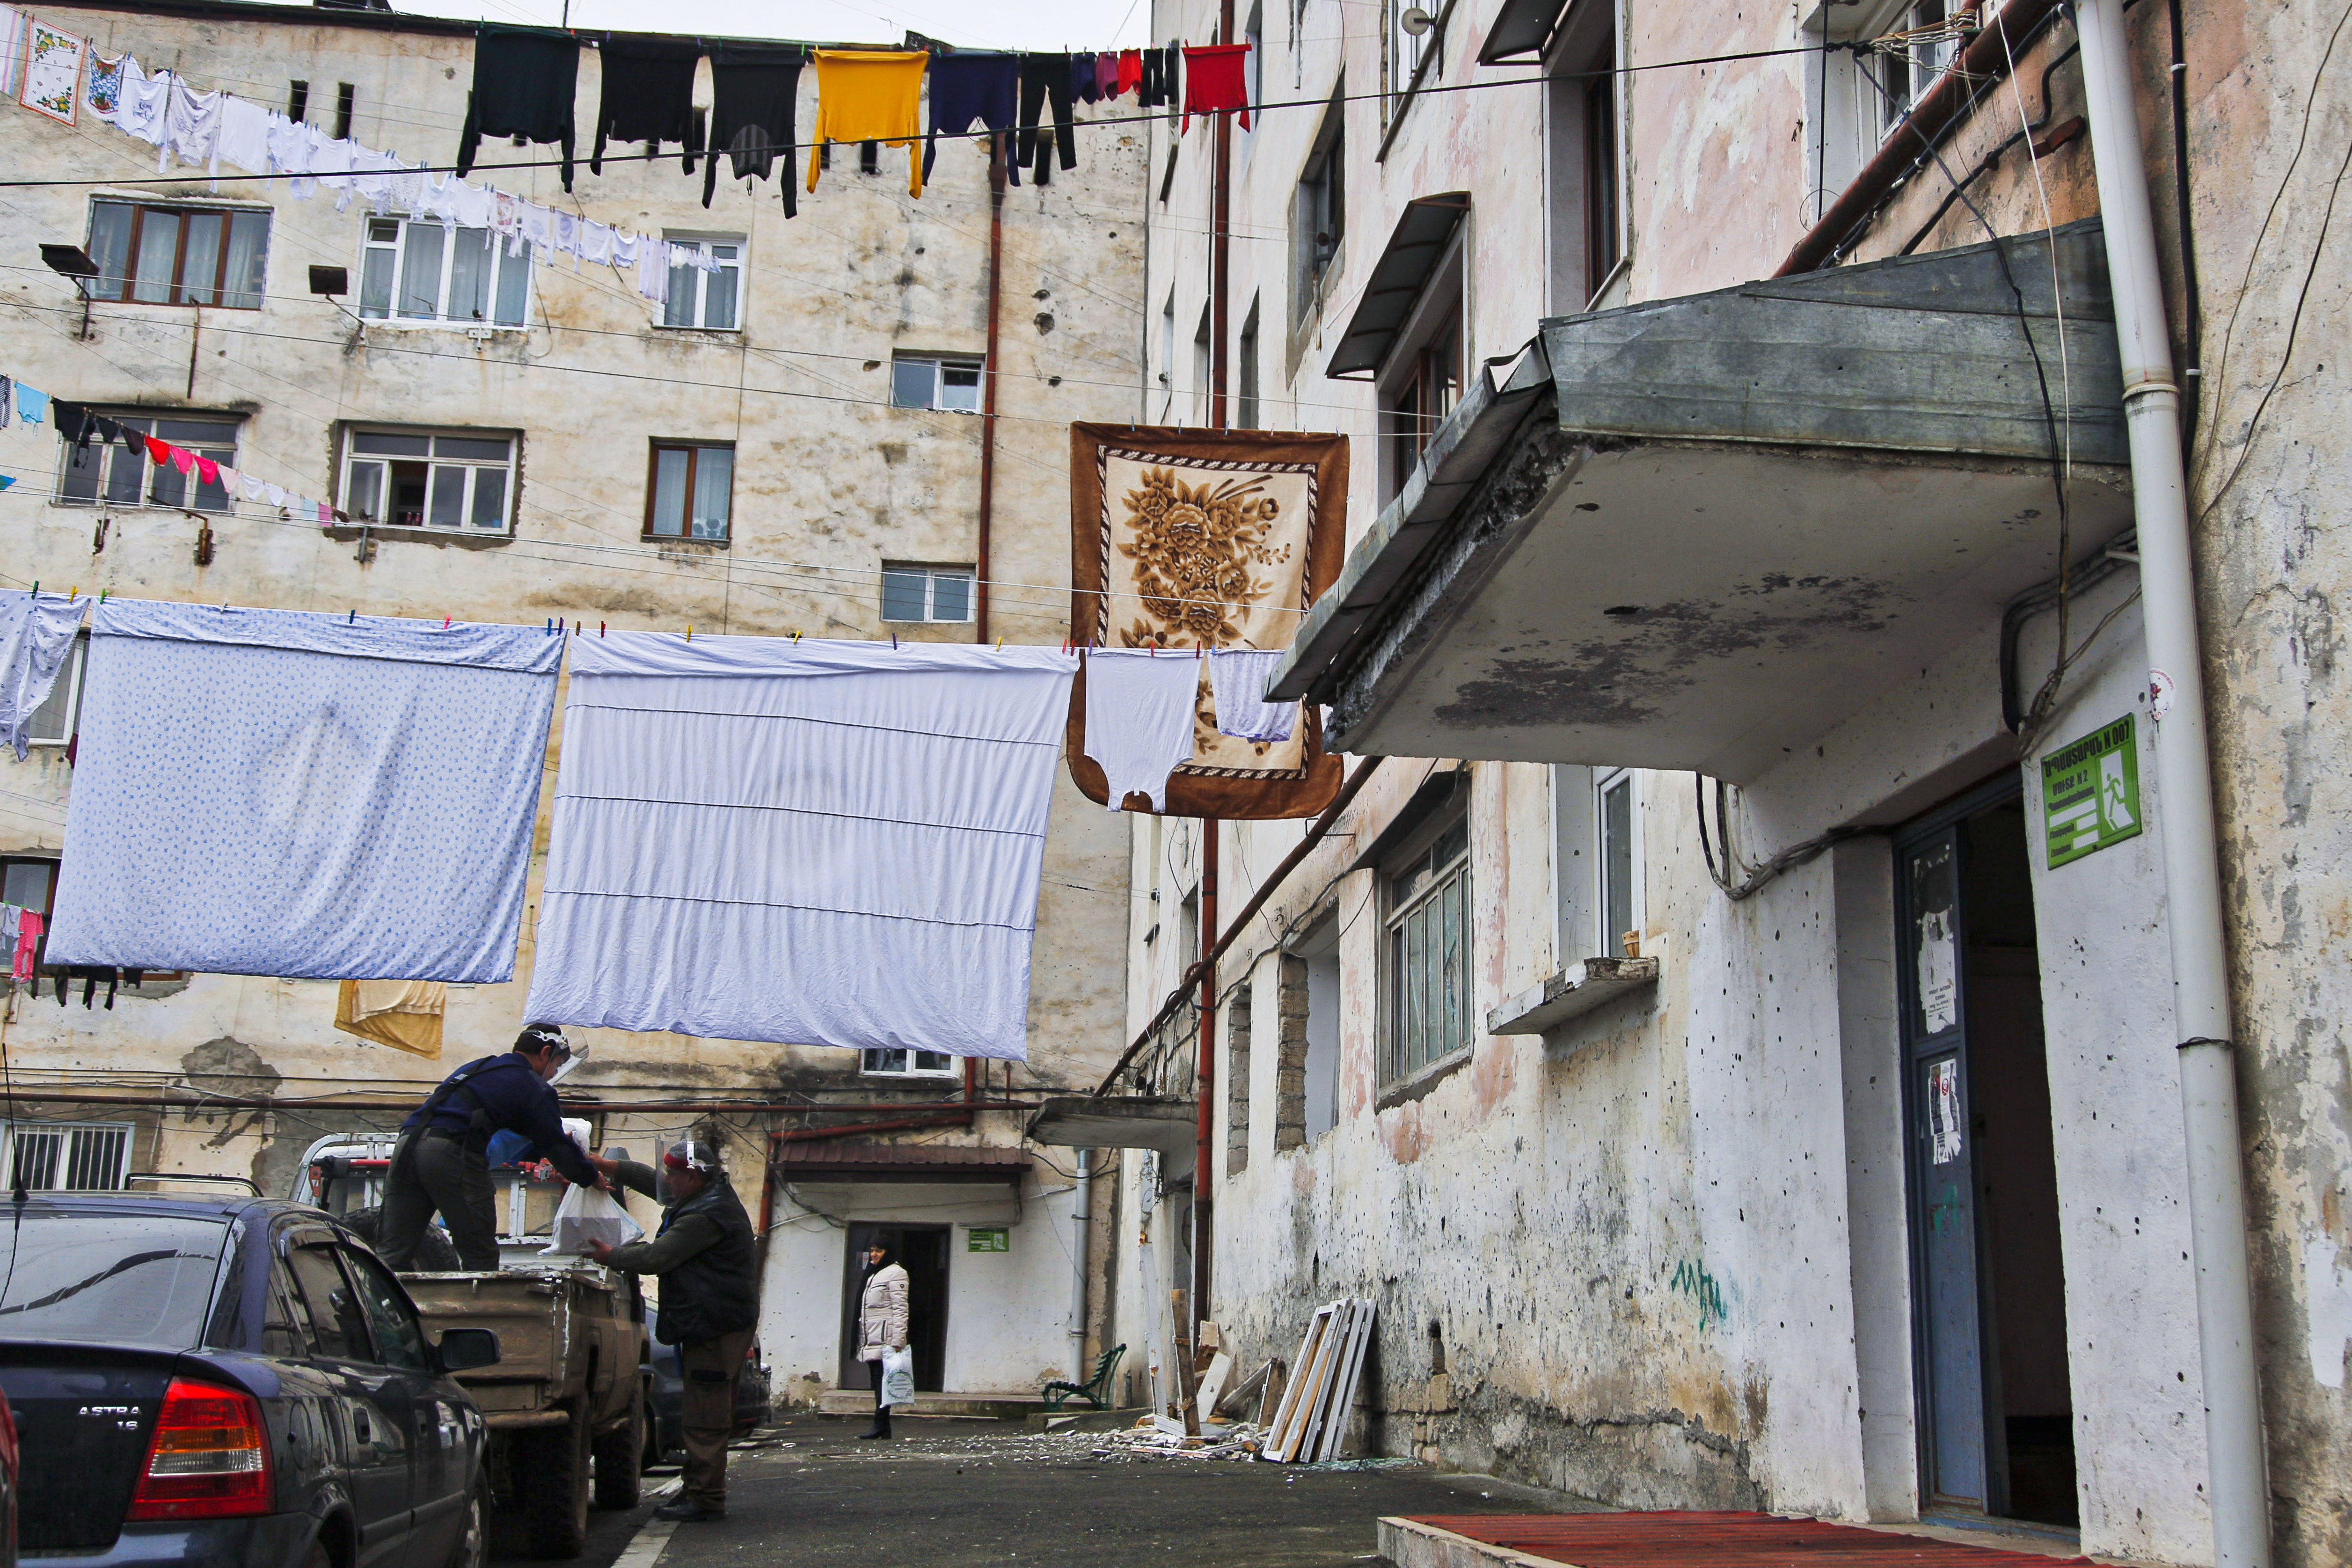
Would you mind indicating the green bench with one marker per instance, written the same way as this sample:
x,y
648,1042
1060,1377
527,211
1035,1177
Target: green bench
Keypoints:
x,y
1095,1390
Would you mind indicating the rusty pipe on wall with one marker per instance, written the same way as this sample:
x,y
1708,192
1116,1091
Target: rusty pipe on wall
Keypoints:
x,y
980,564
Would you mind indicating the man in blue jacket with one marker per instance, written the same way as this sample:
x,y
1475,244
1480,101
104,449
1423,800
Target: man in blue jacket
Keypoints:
x,y
440,1163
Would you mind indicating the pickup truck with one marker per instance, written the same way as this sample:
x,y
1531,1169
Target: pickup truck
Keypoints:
x,y
571,1395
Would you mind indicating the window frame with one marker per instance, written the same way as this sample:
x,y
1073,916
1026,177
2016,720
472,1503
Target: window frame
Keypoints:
x,y
363,1353
701,281
152,476
1607,781
1847,117
1400,91
390,313
221,297
1585,151
1248,370
69,682
346,484
1320,216
687,520
1434,342
1401,1059
932,572
866,1068
941,364
11,1130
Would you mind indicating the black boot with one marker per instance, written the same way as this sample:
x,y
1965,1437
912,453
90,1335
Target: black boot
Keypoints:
x,y
881,1428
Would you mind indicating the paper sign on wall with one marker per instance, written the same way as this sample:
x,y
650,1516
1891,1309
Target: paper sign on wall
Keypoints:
x,y
1944,1140
2090,792
990,1239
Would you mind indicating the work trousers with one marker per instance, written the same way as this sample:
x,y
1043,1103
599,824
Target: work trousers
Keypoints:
x,y
706,1412
1046,77
432,1173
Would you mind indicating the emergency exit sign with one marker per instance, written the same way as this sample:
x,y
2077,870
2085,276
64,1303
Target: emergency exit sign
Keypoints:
x,y
990,1239
2090,792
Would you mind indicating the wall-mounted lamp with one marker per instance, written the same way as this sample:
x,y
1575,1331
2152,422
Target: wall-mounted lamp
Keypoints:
x,y
1416,21
72,261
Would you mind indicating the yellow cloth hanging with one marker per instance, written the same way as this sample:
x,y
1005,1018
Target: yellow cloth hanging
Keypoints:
x,y
869,95
404,1014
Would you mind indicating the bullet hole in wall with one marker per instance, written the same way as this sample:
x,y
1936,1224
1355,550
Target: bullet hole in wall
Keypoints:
x,y
873,364
1043,294
1053,381
1436,1349
1045,321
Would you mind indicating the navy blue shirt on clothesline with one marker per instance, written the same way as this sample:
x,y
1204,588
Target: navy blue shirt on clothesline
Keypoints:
x,y
512,1098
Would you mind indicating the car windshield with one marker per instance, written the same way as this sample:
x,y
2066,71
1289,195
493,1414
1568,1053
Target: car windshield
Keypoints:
x,y
144,1279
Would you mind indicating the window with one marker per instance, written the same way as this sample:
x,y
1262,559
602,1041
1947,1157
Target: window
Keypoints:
x,y
906,1065
67,1156
1168,358
1584,180
1253,72
115,474
1422,380
29,881
1617,860
1416,46
53,721
948,381
338,1324
152,255
419,272
400,1340
1203,366
1307,1083
298,102
1245,412
692,491
347,99
1855,102
1428,901
1319,213
413,479
707,300
925,592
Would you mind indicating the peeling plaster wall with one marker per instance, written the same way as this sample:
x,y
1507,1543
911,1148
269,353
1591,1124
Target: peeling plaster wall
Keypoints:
x,y
830,483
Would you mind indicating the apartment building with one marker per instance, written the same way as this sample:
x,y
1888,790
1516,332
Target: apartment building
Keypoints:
x,y
845,424
1740,1033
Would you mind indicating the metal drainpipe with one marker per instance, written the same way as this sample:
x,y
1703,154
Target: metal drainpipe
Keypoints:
x,y
2236,1487
1081,1217
980,564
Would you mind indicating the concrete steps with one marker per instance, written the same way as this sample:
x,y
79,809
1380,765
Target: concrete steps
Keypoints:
x,y
1011,1405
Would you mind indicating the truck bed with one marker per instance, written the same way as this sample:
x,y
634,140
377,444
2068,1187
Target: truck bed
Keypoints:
x,y
566,1337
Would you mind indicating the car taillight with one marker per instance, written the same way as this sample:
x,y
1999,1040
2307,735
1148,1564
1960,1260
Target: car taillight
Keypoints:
x,y
209,1457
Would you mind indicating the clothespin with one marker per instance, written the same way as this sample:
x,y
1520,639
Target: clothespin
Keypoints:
x,y
103,593
36,588
894,641
353,619
73,593
444,623
690,632
796,639
1000,645
600,628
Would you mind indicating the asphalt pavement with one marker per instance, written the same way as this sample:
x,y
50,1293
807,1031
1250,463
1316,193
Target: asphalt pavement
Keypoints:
x,y
951,1493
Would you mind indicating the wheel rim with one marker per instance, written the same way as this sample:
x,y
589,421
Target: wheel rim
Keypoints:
x,y
477,1552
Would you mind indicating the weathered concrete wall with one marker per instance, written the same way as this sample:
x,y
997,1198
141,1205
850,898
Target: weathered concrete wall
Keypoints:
x,y
830,483
1664,1250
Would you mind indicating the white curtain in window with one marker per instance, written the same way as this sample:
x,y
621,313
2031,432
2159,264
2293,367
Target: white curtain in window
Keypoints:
x,y
714,482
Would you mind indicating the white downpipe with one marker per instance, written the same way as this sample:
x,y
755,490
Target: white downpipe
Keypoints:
x,y
2236,1489
1081,1209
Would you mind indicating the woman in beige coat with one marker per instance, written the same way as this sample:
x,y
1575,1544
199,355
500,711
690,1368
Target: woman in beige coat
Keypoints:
x,y
881,1323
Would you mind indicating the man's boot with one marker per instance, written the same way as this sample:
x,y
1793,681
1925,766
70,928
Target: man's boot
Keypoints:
x,y
689,1511
881,1428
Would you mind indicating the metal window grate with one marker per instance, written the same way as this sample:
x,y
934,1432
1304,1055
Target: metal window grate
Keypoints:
x,y
68,1157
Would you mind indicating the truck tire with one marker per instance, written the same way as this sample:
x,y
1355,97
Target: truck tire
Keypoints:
x,y
436,1253
550,1473
619,1462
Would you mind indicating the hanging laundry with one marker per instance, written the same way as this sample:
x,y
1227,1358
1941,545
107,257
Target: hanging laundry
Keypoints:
x,y
52,72
183,461
1215,81
191,122
144,98
7,401
596,243
24,963
1130,72
244,136
1106,76
1239,676
825,844
1085,84
37,633
537,225
12,26
869,95
75,422
102,90
1157,88
290,150
648,95
275,495
159,452
32,407
404,1014
354,799
525,79
755,94
969,87
1140,718
1046,77
256,489
567,234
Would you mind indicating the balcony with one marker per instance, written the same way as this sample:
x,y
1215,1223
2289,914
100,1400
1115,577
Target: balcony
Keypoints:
x,y
1698,532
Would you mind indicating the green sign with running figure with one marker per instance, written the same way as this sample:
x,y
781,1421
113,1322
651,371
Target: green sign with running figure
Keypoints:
x,y
2090,792
990,1239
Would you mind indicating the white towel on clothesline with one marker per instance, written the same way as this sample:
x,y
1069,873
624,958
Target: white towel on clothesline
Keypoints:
x,y
813,844
1140,718
37,633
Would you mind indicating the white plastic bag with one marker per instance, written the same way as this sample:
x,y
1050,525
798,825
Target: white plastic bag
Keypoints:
x,y
589,1214
898,1376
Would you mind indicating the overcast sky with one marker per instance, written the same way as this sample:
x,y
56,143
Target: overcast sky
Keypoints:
x,y
974,23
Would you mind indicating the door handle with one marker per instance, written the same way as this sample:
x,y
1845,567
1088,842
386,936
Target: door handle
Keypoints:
x,y
359,1426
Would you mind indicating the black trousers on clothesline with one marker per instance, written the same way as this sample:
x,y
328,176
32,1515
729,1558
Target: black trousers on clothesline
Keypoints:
x,y
1044,78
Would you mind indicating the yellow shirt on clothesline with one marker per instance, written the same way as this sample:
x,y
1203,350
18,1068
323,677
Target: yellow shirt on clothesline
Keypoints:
x,y
870,95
